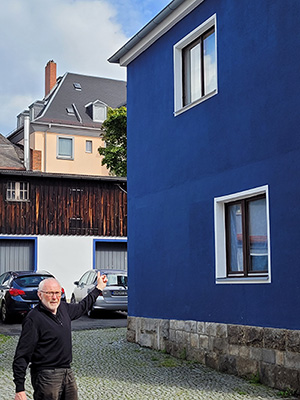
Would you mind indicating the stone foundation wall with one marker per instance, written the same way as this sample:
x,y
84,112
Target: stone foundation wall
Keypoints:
x,y
272,355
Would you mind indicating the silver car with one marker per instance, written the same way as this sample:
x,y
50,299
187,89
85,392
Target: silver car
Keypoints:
x,y
114,297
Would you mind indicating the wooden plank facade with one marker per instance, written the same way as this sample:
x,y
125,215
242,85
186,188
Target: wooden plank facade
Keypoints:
x,y
64,205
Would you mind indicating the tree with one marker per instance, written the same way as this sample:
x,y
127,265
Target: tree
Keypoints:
x,y
115,137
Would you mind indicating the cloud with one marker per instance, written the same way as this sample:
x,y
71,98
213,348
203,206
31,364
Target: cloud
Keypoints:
x,y
79,35
134,14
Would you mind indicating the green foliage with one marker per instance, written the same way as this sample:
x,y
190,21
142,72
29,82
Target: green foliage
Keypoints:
x,y
3,338
241,392
255,379
182,354
169,362
287,393
115,137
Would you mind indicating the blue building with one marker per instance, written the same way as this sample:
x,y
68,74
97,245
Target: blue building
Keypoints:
x,y
213,183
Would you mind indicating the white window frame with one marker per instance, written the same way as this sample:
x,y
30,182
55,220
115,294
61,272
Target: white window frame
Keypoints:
x,y
97,105
18,191
220,236
177,59
87,150
71,157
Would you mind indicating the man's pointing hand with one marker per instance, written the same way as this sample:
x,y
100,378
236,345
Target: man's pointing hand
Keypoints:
x,y
101,281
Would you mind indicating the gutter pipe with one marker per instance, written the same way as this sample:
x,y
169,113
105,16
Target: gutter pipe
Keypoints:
x,y
26,143
144,31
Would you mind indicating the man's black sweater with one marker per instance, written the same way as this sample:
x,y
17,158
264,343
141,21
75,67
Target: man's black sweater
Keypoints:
x,y
46,340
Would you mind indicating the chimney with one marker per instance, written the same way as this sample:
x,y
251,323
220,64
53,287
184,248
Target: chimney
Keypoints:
x,y
50,76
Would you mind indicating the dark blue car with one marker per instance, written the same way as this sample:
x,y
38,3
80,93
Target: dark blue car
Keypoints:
x,y
18,292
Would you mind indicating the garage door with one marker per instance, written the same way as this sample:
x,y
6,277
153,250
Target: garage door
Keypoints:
x,y
111,255
16,255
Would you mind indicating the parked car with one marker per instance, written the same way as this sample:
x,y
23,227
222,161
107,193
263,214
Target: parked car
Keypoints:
x,y
18,292
114,297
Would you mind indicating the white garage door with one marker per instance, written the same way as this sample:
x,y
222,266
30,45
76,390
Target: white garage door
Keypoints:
x,y
111,255
16,255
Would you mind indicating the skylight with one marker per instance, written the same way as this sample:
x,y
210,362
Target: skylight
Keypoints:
x,y
77,86
70,111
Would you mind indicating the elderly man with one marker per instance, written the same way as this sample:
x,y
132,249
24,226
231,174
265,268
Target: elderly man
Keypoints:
x,y
46,344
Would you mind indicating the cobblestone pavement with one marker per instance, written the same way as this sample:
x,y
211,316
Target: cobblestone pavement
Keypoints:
x,y
107,366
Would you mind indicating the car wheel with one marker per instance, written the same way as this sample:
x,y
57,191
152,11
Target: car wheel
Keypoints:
x,y
73,300
4,313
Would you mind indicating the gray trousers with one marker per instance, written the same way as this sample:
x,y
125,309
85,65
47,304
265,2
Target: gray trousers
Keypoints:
x,y
54,384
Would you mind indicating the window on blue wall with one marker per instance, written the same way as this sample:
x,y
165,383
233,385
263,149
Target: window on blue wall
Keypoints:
x,y
195,66
242,237
199,66
247,237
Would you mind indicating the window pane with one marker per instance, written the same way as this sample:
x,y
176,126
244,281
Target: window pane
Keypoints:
x,y
84,278
65,147
195,73
88,146
258,236
11,191
235,237
99,113
210,67
23,191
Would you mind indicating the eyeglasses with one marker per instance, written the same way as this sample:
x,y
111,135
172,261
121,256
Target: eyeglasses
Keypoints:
x,y
51,294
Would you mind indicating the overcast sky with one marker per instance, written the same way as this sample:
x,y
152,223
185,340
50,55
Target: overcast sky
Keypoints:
x,y
79,35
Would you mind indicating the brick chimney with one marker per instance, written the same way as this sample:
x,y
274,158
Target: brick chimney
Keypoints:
x,y
50,76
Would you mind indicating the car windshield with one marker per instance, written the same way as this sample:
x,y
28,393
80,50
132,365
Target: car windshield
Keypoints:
x,y
116,280
30,281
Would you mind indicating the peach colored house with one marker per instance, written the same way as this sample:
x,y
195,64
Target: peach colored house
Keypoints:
x,y
63,130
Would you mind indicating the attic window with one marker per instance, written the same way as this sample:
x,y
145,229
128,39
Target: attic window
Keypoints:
x,y
77,86
99,112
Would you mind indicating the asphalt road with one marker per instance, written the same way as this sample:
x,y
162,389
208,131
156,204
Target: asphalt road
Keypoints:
x,y
105,319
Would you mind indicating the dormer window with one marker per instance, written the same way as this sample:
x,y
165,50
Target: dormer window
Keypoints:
x,y
97,111
21,117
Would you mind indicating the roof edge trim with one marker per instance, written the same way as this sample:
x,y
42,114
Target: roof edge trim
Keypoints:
x,y
158,26
53,92
39,174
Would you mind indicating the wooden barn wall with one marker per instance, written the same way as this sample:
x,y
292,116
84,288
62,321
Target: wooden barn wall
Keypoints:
x,y
65,207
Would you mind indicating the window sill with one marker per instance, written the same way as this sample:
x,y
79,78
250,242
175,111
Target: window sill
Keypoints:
x,y
64,158
195,103
17,201
252,279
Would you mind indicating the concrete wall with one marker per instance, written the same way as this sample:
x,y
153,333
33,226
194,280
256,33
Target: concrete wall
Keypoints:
x,y
67,258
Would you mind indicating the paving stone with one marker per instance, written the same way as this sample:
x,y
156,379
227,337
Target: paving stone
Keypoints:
x,y
107,366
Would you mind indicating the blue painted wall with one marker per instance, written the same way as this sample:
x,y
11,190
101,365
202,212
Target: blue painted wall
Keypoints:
x,y
246,136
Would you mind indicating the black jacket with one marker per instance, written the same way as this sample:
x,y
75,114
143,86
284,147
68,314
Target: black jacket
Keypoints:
x,y
46,341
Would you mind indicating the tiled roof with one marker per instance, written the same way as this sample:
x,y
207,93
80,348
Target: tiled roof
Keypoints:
x,y
11,156
89,89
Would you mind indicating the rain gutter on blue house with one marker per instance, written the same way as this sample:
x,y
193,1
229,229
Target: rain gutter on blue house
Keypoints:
x,y
158,26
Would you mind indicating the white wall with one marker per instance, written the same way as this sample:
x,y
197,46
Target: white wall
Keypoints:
x,y
66,257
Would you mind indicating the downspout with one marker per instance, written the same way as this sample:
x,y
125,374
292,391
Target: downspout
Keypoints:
x,y
45,147
26,143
